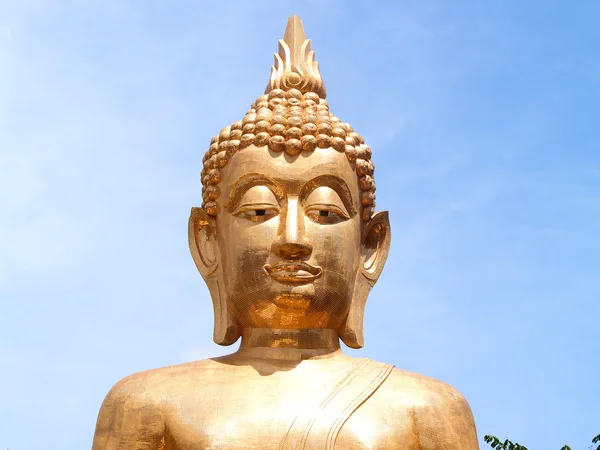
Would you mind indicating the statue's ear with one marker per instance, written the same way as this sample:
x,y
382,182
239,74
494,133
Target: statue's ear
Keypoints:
x,y
375,245
202,237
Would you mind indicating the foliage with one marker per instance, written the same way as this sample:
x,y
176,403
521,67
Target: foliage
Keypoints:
x,y
497,444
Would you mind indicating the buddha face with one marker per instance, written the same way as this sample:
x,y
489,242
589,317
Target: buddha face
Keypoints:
x,y
287,247
289,238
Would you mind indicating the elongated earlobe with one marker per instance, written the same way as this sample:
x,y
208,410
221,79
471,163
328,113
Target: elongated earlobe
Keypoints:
x,y
202,234
375,245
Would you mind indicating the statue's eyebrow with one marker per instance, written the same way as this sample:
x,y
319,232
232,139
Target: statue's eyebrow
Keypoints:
x,y
333,182
248,181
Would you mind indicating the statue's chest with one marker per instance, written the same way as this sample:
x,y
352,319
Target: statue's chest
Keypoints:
x,y
277,417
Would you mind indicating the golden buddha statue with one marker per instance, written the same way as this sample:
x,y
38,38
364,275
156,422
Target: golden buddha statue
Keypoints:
x,y
289,245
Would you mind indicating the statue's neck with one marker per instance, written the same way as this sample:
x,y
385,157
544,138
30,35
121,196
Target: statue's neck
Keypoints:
x,y
291,345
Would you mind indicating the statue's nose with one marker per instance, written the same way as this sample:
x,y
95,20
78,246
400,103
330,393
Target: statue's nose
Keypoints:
x,y
291,241
292,250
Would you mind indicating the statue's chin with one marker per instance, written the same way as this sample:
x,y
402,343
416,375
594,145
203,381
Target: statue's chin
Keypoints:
x,y
283,306
293,301
292,296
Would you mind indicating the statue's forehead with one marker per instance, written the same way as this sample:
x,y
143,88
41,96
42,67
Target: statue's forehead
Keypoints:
x,y
292,172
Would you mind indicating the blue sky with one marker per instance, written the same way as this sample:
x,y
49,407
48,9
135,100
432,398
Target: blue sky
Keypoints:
x,y
483,120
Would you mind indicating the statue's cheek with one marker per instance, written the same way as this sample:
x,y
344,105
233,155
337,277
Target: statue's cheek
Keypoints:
x,y
338,245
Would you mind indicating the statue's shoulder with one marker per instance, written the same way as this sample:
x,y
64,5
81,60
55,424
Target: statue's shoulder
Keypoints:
x,y
151,384
422,388
440,413
131,413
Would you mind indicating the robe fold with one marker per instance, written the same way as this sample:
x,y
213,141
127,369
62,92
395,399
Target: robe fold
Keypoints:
x,y
319,421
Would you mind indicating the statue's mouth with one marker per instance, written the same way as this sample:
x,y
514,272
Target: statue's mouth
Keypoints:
x,y
293,272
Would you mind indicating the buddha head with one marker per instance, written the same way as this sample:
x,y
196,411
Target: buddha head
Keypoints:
x,y
287,236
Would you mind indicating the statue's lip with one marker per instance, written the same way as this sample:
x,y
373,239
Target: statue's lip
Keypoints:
x,y
293,272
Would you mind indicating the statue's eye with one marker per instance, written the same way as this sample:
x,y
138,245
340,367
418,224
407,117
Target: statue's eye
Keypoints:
x,y
257,213
257,204
323,205
326,214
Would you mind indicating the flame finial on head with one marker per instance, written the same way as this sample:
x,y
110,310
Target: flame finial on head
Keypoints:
x,y
295,67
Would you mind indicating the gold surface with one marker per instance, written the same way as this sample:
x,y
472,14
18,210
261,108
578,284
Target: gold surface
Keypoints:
x,y
289,245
